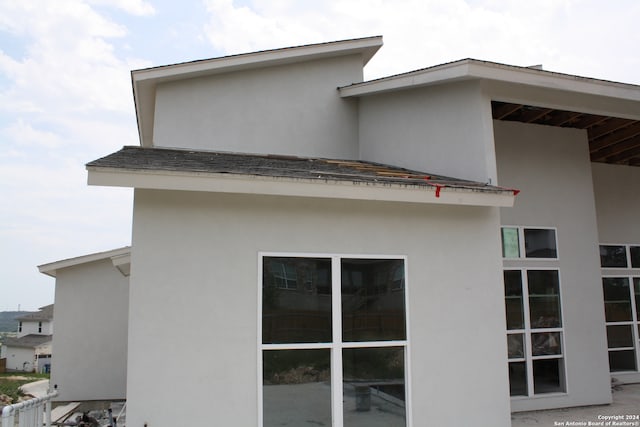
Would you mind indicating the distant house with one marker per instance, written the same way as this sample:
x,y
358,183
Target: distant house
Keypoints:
x,y
31,349
439,247
91,312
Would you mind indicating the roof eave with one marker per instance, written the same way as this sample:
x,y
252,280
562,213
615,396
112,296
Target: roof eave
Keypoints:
x,y
145,81
52,268
296,187
471,69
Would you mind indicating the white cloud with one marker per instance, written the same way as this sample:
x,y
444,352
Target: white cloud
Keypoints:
x,y
582,37
134,7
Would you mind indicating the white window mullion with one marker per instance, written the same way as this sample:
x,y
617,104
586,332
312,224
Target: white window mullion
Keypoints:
x,y
336,350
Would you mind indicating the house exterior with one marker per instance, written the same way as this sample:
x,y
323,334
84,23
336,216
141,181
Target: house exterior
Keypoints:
x,y
30,350
91,312
346,253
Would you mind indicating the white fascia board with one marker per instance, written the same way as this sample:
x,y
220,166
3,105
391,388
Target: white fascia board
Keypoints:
x,y
470,69
51,269
277,186
146,80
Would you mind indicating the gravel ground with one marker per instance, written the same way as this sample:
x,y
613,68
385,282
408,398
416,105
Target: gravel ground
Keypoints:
x,y
624,411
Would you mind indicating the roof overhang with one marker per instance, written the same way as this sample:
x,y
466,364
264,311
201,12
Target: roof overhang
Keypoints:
x,y
145,81
296,187
120,258
471,69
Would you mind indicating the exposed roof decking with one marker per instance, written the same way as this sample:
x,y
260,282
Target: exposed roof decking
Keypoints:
x,y
338,178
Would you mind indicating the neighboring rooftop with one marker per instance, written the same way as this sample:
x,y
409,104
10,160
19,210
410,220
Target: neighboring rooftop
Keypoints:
x,y
44,313
285,168
27,341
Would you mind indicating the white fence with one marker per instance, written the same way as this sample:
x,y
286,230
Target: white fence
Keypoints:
x,y
30,413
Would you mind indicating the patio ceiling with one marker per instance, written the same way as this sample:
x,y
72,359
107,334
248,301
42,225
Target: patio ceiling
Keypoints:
x,y
611,139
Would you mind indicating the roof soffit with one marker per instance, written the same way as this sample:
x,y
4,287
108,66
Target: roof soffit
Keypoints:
x,y
145,81
51,269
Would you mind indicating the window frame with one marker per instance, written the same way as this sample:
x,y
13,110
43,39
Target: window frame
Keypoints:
x,y
522,245
527,331
336,345
634,322
627,248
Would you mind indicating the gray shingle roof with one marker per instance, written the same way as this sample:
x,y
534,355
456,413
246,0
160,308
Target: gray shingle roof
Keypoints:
x,y
27,341
45,313
161,159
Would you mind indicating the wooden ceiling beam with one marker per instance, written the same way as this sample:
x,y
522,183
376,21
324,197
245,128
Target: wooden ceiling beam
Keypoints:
x,y
500,112
631,131
618,152
610,126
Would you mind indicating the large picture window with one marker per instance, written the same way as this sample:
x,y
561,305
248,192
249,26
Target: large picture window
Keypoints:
x,y
334,341
534,331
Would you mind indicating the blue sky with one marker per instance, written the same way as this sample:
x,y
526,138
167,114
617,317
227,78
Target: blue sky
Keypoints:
x,y
65,89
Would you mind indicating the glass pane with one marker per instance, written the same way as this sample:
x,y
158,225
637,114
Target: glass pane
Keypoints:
x,y
296,387
635,256
373,300
544,298
624,360
540,243
617,300
636,287
613,256
296,300
510,243
619,336
518,378
374,388
548,376
545,343
515,345
513,299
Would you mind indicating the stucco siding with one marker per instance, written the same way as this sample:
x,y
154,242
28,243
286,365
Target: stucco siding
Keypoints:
x,y
293,110
552,169
195,280
443,130
616,190
90,344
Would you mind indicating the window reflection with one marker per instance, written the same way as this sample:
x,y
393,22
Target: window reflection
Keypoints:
x,y
513,299
545,343
617,299
548,376
374,391
296,387
540,243
544,298
613,256
372,300
296,300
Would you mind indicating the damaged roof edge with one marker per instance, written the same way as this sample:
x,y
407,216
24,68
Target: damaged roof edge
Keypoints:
x,y
299,187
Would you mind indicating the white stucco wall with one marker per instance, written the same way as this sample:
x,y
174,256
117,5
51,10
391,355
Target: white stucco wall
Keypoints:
x,y
616,190
194,299
19,359
552,169
90,344
292,109
32,327
444,130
